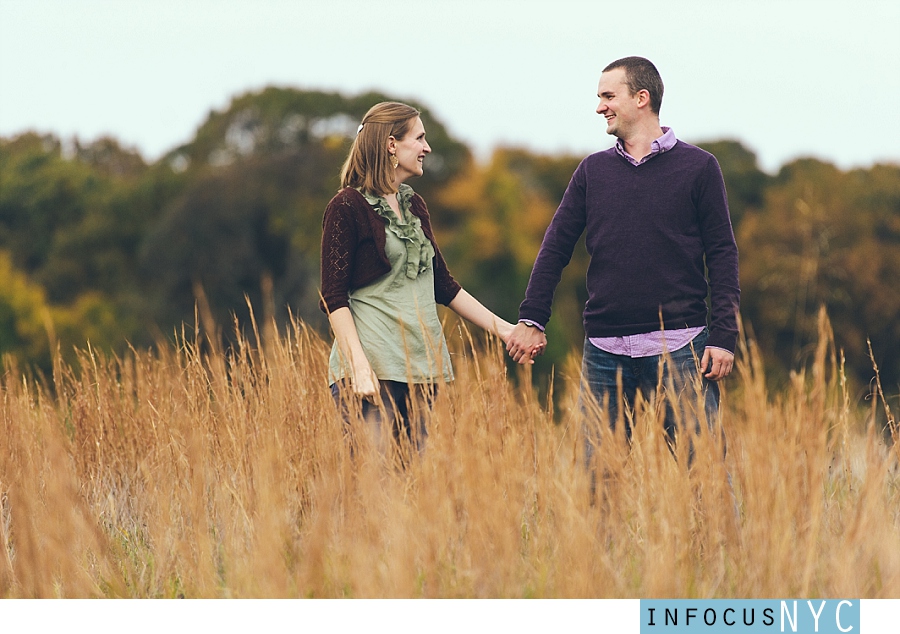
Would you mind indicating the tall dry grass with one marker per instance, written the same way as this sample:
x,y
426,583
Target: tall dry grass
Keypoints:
x,y
227,474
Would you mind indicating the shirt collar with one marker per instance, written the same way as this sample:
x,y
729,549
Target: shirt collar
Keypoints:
x,y
404,195
662,144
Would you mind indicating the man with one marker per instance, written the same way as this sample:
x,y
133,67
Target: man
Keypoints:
x,y
659,238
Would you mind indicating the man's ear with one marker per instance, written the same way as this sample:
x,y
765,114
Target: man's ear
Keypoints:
x,y
643,98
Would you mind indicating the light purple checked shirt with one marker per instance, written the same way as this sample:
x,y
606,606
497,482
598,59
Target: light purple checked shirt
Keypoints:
x,y
646,344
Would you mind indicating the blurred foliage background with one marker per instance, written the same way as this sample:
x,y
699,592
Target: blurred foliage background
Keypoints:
x,y
100,247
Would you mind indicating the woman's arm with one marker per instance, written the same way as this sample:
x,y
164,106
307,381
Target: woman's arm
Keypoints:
x,y
363,378
339,243
472,310
447,291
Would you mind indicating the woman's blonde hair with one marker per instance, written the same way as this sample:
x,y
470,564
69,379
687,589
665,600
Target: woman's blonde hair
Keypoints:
x,y
368,165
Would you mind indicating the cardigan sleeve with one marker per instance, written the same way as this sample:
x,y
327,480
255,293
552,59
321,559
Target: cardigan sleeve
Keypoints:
x,y
445,287
339,238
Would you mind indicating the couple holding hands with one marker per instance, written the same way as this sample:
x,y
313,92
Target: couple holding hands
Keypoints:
x,y
658,232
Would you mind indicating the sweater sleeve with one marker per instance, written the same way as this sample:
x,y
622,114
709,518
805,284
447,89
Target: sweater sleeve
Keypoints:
x,y
556,251
721,258
339,239
445,287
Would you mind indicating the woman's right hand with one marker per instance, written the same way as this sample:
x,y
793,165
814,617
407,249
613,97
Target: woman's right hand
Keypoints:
x,y
362,376
365,381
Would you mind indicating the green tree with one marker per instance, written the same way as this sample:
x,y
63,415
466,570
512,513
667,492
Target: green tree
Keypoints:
x,y
826,238
25,320
744,181
71,217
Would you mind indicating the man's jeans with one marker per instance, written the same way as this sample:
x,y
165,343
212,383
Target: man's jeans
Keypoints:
x,y
682,386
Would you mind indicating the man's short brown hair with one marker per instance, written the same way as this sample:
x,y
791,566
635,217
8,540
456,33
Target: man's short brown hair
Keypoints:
x,y
641,74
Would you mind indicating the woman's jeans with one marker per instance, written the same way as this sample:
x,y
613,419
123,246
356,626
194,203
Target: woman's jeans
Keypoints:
x,y
397,423
676,375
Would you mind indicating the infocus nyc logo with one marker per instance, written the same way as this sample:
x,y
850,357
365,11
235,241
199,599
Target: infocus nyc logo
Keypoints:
x,y
750,616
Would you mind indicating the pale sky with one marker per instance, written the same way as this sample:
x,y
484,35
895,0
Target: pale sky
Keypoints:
x,y
787,78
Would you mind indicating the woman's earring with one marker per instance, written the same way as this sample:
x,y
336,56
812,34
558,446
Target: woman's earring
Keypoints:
x,y
394,161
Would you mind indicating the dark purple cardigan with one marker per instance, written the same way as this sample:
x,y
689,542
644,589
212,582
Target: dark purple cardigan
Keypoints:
x,y
353,249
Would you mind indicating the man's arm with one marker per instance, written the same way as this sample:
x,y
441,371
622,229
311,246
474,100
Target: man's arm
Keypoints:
x,y
722,267
556,251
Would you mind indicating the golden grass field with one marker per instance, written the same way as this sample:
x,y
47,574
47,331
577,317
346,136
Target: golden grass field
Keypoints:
x,y
203,474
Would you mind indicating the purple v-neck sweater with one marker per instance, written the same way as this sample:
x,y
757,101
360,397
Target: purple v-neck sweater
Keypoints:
x,y
649,231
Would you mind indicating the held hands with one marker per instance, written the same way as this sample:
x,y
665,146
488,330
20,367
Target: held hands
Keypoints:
x,y
525,342
472,310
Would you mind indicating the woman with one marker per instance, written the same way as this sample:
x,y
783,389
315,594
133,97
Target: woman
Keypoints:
x,y
382,274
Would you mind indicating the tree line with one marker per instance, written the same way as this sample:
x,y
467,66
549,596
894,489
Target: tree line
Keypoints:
x,y
99,246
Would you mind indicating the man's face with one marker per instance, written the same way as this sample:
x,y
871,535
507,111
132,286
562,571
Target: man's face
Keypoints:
x,y
617,105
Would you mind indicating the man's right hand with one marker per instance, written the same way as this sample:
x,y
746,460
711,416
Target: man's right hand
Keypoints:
x,y
525,343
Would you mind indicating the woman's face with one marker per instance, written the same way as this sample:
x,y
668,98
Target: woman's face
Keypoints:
x,y
410,152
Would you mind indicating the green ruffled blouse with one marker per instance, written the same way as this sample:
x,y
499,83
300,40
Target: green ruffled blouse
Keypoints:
x,y
396,315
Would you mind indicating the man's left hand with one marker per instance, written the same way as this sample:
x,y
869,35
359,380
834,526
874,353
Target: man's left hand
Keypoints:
x,y
716,363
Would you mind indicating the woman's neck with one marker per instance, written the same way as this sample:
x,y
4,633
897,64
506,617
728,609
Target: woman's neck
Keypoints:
x,y
391,199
